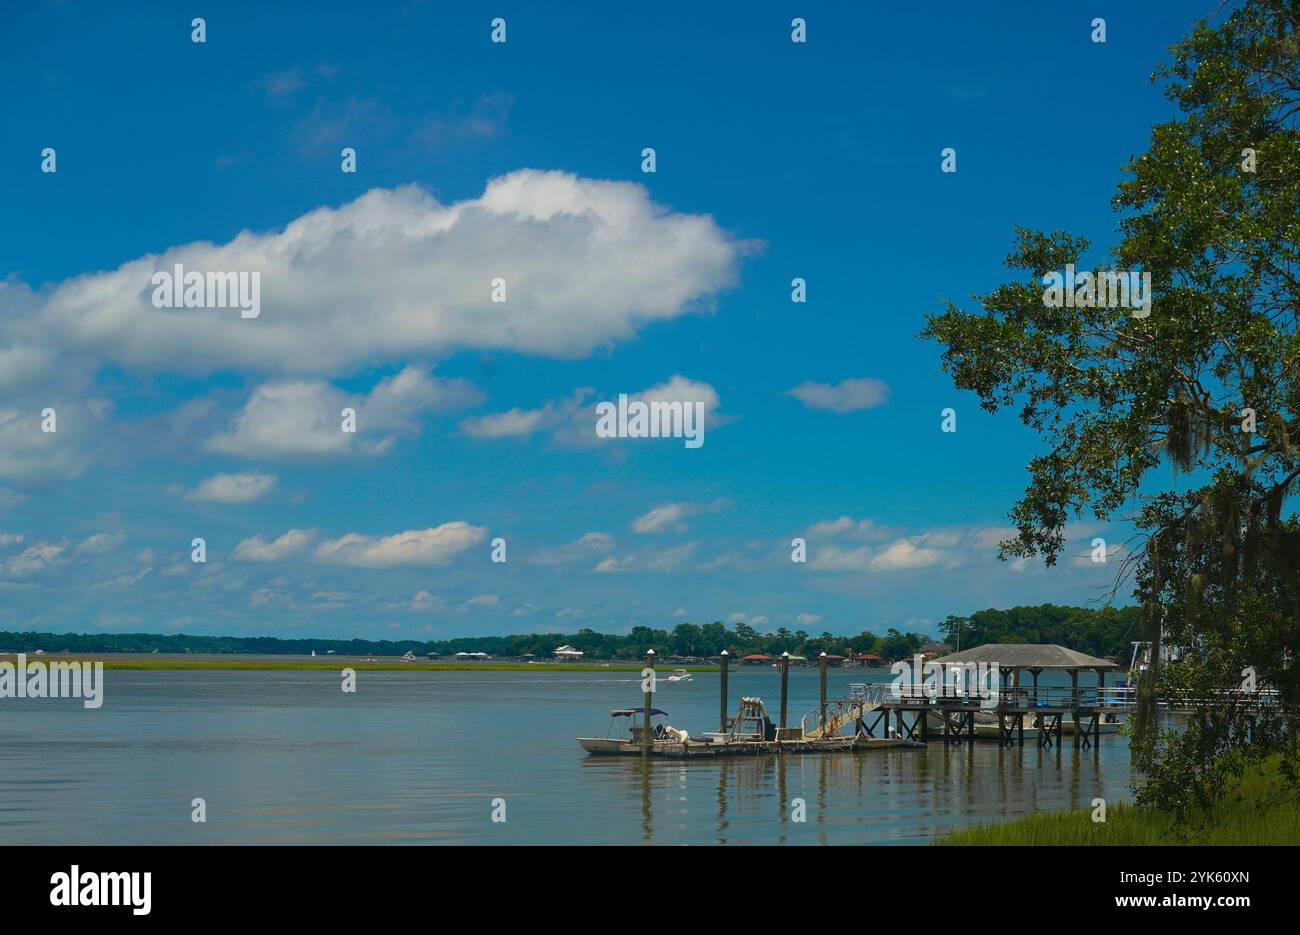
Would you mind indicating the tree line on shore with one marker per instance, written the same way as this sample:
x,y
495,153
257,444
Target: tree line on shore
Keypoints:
x,y
1102,632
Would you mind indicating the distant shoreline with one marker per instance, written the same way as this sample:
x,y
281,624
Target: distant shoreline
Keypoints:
x,y
1095,632
160,662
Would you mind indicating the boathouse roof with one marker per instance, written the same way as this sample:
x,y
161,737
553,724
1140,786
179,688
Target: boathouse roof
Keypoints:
x,y
1029,656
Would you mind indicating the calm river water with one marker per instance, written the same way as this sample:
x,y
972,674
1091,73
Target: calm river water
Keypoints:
x,y
419,757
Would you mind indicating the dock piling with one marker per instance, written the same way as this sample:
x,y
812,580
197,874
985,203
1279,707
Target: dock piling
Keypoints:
x,y
785,685
647,703
1074,701
821,674
722,711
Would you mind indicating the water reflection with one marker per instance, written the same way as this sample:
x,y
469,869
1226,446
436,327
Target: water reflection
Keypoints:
x,y
874,797
417,758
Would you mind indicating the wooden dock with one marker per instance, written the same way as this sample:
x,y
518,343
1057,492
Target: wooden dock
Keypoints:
x,y
1039,713
751,732
908,714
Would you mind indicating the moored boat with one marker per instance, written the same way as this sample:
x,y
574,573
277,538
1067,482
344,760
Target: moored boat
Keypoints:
x,y
662,734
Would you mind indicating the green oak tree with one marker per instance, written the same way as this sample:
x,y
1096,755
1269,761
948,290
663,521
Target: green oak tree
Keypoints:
x,y
1185,419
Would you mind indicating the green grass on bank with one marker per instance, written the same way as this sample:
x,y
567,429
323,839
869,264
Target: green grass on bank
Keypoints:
x,y
1260,810
336,664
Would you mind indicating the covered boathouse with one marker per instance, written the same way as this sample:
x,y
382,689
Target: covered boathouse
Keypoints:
x,y
1019,696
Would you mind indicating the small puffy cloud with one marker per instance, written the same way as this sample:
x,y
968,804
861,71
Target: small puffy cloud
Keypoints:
x,y
233,488
846,396
660,518
698,396
521,423
837,558
416,547
905,554
921,551
514,423
303,418
808,619
291,544
571,422
670,516
588,545
34,559
484,600
101,543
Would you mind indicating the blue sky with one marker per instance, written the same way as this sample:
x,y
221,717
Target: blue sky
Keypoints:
x,y
775,160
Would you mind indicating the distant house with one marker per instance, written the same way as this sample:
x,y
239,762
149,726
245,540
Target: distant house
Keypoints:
x,y
868,659
755,659
472,656
833,660
568,652
934,649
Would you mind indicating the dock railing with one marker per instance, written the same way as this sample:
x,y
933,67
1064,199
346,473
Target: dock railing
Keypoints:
x,y
1111,698
1010,697
863,698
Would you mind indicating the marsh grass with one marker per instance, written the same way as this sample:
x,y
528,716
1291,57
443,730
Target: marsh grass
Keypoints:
x,y
1260,809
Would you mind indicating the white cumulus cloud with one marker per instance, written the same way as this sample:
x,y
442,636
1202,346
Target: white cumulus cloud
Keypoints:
x,y
395,274
417,547
303,418
233,488
571,422
257,549
846,396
